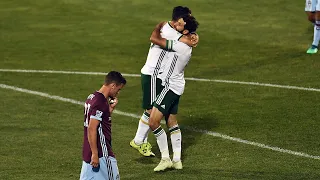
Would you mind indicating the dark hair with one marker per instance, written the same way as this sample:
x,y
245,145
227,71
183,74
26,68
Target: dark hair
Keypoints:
x,y
180,12
114,77
191,24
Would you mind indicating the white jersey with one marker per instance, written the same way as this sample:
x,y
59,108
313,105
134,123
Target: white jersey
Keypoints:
x,y
312,5
172,71
156,54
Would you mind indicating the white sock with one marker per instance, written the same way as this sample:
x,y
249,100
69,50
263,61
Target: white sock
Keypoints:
x,y
316,34
143,129
162,142
146,138
176,139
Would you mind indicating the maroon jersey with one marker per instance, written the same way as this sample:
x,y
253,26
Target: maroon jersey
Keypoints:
x,y
97,107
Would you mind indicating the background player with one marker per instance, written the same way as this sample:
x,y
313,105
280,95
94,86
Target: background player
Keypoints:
x,y
316,35
98,159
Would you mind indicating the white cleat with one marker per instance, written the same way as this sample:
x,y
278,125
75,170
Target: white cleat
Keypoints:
x,y
163,165
177,165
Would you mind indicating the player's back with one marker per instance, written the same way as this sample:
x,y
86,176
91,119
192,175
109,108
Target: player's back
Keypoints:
x,y
172,69
156,54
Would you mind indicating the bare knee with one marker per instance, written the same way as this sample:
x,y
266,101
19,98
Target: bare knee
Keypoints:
x,y
311,16
155,118
153,124
171,120
317,16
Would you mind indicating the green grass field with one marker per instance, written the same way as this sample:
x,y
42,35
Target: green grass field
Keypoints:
x,y
245,41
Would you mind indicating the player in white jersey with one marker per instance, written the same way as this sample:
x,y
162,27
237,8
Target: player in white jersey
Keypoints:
x,y
316,34
150,84
166,103
310,9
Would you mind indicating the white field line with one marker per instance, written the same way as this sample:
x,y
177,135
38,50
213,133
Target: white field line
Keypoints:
x,y
4,86
190,78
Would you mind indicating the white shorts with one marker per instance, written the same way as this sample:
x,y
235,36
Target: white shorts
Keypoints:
x,y
108,170
312,5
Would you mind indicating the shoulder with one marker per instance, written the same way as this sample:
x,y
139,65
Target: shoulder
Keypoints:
x,y
169,32
180,47
97,99
167,24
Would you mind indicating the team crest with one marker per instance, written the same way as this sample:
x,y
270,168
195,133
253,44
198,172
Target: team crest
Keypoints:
x,y
98,114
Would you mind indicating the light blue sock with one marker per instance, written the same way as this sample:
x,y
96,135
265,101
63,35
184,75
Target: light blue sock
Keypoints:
x,y
316,34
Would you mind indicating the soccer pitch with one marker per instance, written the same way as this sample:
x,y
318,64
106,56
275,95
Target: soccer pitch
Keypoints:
x,y
250,109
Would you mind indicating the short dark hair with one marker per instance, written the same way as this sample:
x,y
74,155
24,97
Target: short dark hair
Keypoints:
x,y
191,24
180,12
114,77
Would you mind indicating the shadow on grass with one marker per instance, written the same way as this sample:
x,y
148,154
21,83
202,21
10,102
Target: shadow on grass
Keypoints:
x,y
191,133
146,160
192,129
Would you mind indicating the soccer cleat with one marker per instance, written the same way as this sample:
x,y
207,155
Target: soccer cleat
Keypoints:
x,y
144,149
177,165
312,50
163,165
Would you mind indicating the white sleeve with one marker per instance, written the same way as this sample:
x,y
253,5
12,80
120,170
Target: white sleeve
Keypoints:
x,y
177,46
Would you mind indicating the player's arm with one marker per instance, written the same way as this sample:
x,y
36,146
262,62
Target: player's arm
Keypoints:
x,y
167,44
156,36
164,43
92,138
191,40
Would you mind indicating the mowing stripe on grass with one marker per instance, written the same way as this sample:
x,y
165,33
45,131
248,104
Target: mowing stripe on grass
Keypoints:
x,y
190,78
4,86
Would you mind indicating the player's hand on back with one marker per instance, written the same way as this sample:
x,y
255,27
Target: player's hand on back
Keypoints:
x,y
191,40
195,39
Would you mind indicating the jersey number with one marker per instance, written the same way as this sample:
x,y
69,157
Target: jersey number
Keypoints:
x,y
86,113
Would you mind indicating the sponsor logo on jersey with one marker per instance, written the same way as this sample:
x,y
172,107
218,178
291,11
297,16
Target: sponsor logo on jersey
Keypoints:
x,y
98,114
91,96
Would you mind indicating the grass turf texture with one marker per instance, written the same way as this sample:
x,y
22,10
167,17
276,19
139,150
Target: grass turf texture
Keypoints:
x,y
41,138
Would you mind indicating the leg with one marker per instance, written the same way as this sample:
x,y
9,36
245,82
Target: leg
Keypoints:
x,y
311,16
310,8
176,139
160,134
143,128
161,137
114,167
108,169
162,106
175,134
316,35
148,91
86,171
140,142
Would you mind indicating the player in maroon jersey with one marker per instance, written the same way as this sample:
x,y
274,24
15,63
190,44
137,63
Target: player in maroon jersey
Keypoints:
x,y
98,159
